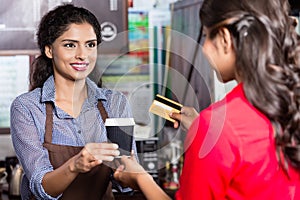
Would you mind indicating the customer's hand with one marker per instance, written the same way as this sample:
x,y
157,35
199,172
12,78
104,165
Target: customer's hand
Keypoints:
x,y
185,117
94,154
130,172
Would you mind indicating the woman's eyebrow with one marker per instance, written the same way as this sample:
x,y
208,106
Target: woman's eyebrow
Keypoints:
x,y
71,40
93,40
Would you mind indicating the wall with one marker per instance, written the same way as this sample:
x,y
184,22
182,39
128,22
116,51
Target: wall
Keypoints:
x,y
190,68
149,4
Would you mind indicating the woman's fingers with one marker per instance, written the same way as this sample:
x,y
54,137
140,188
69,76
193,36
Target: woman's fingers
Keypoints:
x,y
103,145
103,151
132,155
185,117
94,154
120,168
176,116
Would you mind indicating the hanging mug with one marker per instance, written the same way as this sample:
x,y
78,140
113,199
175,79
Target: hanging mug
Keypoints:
x,y
3,175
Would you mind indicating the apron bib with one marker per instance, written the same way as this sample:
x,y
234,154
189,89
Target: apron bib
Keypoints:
x,y
93,185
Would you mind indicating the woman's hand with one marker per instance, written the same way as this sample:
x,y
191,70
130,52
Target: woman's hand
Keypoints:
x,y
186,117
94,154
133,175
91,155
129,171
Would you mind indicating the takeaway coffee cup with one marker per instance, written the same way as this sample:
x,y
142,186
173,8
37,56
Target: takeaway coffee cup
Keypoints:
x,y
120,131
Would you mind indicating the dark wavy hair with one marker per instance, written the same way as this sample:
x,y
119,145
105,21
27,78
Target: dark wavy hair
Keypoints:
x,y
52,26
267,59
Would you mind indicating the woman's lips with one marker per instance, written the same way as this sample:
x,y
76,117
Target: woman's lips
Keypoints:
x,y
80,66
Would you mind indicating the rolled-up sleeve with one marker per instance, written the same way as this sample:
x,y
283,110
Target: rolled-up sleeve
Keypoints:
x,y
28,145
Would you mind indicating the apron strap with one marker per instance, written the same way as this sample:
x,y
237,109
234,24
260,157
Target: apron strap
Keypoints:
x,y
49,122
102,110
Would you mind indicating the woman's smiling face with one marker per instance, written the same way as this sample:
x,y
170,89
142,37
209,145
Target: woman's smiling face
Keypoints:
x,y
74,53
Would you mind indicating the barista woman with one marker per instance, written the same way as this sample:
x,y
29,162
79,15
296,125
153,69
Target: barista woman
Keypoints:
x,y
58,127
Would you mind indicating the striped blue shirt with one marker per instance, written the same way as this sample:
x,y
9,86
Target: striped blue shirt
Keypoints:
x,y
28,115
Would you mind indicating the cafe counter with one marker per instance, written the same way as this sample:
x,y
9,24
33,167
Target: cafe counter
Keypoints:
x,y
133,196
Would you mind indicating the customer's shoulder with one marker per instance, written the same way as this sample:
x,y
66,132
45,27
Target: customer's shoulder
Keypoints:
x,y
234,100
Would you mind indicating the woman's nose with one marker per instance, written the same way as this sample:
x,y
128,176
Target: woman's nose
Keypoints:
x,y
81,53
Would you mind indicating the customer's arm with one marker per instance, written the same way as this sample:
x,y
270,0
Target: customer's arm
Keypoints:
x,y
131,174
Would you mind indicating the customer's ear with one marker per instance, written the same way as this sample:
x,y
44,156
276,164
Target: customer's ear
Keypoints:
x,y
226,40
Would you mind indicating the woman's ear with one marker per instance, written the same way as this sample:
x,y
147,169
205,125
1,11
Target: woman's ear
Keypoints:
x,y
48,51
226,40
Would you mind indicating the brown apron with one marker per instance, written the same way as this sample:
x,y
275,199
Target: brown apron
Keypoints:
x,y
93,185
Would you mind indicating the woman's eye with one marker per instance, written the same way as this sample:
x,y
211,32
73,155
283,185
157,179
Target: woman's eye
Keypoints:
x,y
91,44
69,45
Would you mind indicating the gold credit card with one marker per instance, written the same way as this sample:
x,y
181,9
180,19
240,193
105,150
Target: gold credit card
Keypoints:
x,y
163,106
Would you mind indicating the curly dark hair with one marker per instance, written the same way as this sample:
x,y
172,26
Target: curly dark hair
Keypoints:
x,y
52,26
267,59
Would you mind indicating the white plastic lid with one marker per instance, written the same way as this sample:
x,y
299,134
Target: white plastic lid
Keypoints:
x,y
119,122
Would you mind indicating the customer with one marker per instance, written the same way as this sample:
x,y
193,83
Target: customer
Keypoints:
x,y
245,146
266,7
57,130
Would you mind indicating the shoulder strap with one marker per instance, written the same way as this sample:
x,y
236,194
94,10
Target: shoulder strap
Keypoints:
x,y
49,119
49,122
102,110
